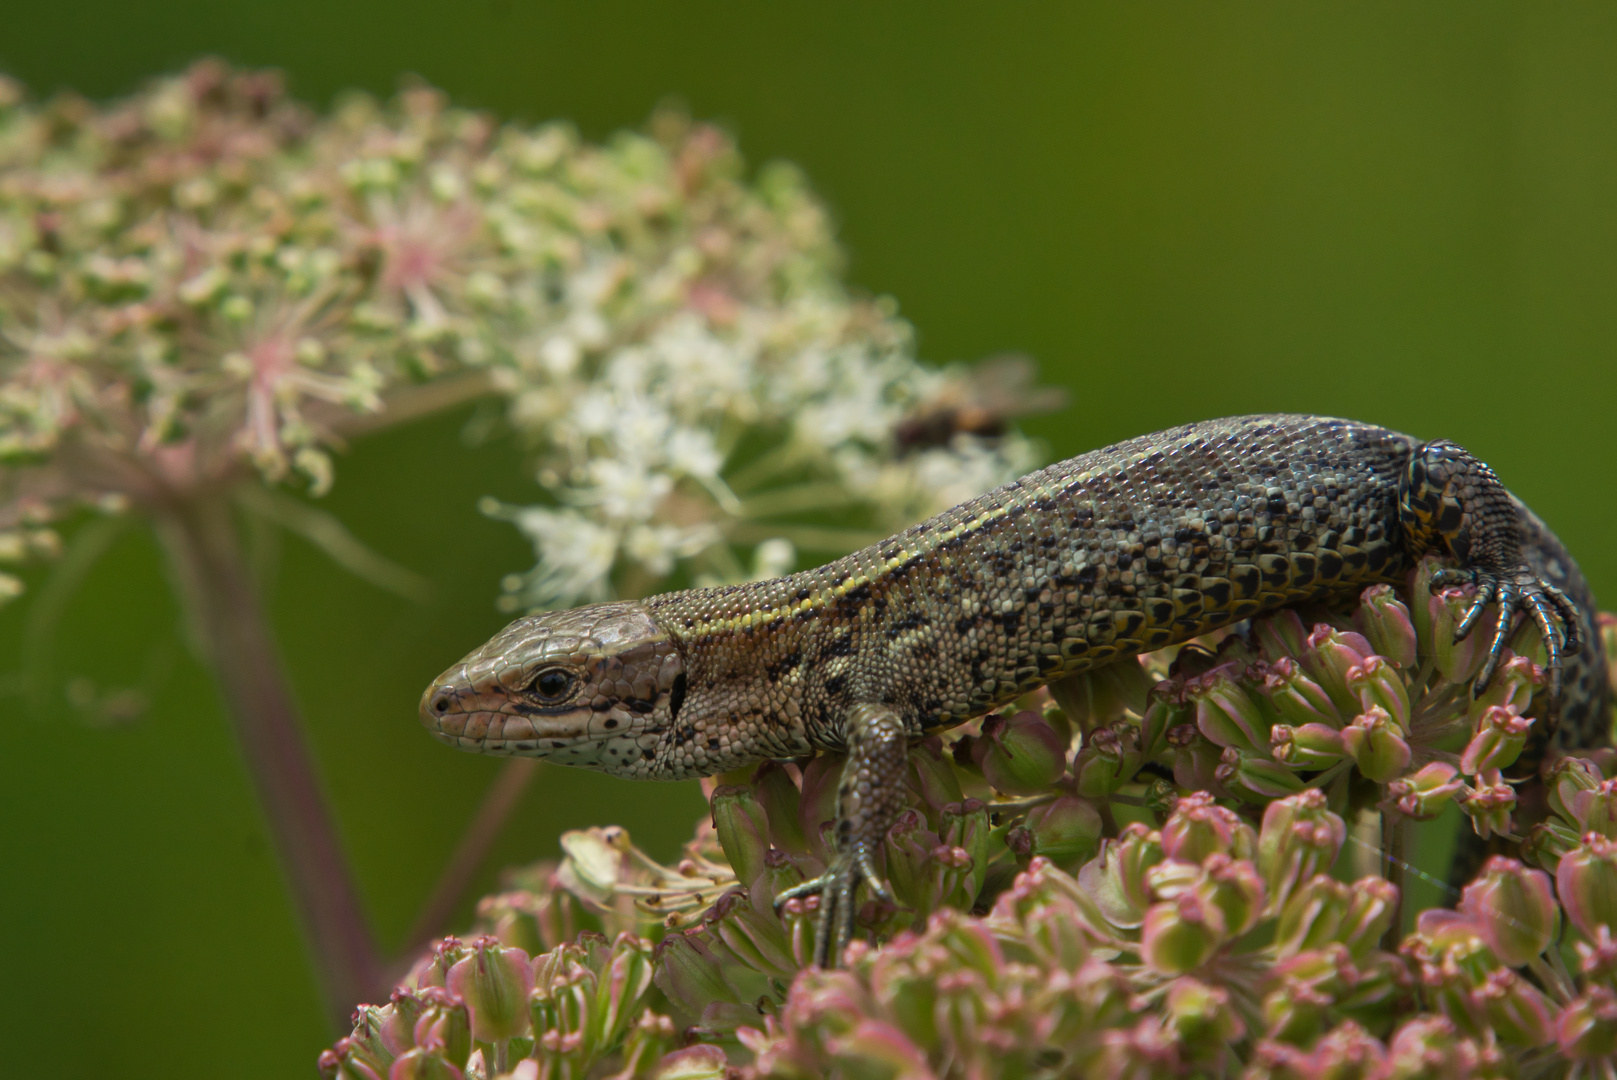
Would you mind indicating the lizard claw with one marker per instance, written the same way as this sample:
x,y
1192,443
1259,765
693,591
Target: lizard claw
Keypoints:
x,y
1518,590
838,890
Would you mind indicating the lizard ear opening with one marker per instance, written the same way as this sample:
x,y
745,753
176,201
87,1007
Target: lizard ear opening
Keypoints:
x,y
676,696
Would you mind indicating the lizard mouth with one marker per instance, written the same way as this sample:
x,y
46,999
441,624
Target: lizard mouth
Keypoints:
x,y
459,717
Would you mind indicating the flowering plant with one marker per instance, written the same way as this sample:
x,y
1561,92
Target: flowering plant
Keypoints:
x,y
1146,871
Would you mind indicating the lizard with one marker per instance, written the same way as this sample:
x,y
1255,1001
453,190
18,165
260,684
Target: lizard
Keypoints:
x,y
1116,552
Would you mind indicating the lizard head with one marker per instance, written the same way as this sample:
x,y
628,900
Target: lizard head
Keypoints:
x,y
594,686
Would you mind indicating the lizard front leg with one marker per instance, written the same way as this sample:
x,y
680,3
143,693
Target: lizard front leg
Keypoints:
x,y
870,796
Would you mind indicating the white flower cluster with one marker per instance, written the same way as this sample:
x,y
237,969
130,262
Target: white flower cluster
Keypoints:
x,y
207,275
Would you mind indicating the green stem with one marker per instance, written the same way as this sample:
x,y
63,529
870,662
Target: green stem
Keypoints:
x,y
232,636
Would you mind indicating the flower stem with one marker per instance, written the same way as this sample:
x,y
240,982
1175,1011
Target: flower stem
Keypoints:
x,y
230,634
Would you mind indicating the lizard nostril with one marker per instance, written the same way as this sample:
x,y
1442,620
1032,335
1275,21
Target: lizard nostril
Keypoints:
x,y
440,704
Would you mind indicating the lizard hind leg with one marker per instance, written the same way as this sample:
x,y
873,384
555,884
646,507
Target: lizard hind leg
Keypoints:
x,y
1452,503
870,795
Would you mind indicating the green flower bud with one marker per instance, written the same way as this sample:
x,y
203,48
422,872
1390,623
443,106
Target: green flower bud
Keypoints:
x,y
424,1064
1021,754
687,972
1546,842
444,1024
1514,910
1587,1029
1423,794
1201,1017
1109,759
700,1062
1595,810
1515,1010
346,1061
1226,713
1587,883
817,808
1566,777
1255,778
1386,624
1281,635
755,939
1297,698
1116,877
1433,1047
494,982
1500,734
1373,741
1311,747
909,845
932,776
1512,686
1300,837
1329,656
965,824
1195,759
1065,831
1378,685
1312,915
1488,804
1166,711
742,826
1459,661
1235,889
1199,827
1372,907
1181,934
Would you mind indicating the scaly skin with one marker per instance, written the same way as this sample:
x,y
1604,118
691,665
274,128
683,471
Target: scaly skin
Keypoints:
x,y
1116,552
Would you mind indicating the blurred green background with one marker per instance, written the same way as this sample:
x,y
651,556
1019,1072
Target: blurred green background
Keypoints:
x,y
1405,214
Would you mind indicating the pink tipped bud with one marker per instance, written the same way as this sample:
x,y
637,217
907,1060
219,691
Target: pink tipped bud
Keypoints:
x,y
1595,810
1514,910
1499,735
1513,684
1116,877
1200,1015
1374,743
1330,655
1312,915
1423,794
1587,1029
1225,712
1235,888
742,827
1311,746
1587,883
1281,635
1198,827
779,798
494,981
1021,754
1378,685
1489,805
1385,623
1372,906
1300,838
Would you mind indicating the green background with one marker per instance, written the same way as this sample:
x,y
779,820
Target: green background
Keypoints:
x,y
1401,213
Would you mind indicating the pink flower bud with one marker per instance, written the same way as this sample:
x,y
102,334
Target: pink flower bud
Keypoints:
x,y
1200,1015
1310,747
1423,794
1547,842
1300,837
494,982
1489,804
700,1062
1513,684
1198,827
1225,712
1372,906
443,1025
1459,661
1514,909
779,798
689,974
1374,743
818,804
1330,655
1378,685
1385,623
1297,698
1021,754
1587,1029
1234,887
1500,734
1281,635
424,1064
932,776
1587,883
1312,915
742,827
1195,758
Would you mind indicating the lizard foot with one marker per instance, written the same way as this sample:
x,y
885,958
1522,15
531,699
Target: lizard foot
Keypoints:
x,y
838,890
1518,590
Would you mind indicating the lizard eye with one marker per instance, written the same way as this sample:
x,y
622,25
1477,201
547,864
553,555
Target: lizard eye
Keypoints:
x,y
553,684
